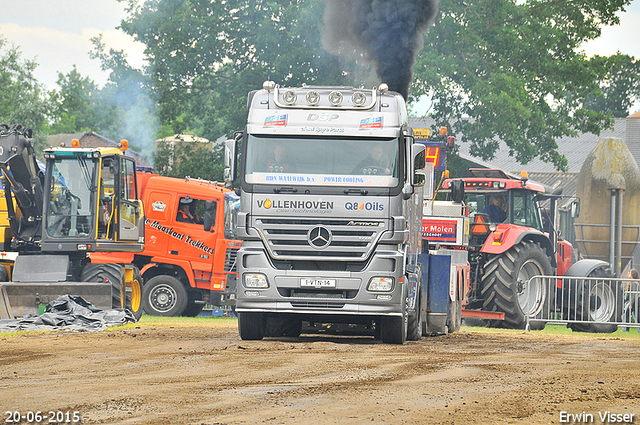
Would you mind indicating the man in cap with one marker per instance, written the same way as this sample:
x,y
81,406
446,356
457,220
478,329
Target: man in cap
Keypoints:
x,y
186,211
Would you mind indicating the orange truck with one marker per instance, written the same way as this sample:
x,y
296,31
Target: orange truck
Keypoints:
x,y
190,251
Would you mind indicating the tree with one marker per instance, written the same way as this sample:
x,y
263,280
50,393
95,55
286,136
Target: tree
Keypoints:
x,y
501,69
206,56
21,98
75,105
195,160
620,86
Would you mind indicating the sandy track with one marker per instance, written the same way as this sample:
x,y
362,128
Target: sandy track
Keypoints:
x,y
207,375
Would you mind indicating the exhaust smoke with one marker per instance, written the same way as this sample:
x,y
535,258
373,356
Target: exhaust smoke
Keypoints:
x,y
386,32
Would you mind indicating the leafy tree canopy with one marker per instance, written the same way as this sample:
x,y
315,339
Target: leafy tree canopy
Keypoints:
x,y
21,97
206,56
511,70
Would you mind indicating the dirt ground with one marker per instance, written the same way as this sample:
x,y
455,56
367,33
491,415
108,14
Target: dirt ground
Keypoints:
x,y
204,374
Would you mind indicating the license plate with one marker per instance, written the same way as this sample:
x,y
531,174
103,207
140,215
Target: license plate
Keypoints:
x,y
318,283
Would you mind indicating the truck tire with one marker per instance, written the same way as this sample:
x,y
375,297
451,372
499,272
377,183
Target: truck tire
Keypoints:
x,y
414,320
596,301
505,289
164,295
4,273
134,294
393,329
455,316
251,326
114,274
193,306
283,326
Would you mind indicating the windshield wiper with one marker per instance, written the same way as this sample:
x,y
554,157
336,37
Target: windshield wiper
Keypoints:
x,y
285,190
355,191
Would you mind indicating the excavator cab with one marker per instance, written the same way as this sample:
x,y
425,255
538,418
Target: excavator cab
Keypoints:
x,y
91,201
84,201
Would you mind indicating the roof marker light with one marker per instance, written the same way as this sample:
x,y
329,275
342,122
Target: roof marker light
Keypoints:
x,y
289,97
358,98
313,97
335,98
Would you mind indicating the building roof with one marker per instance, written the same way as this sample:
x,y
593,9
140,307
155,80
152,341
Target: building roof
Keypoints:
x,y
575,149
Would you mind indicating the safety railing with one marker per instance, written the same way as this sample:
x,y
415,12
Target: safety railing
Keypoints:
x,y
587,304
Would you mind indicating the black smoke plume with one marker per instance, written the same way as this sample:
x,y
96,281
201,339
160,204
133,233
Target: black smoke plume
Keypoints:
x,y
386,32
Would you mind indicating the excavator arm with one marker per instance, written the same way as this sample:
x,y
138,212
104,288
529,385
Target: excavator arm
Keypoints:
x,y
23,181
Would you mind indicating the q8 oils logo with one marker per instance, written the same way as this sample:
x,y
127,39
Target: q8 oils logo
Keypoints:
x,y
364,206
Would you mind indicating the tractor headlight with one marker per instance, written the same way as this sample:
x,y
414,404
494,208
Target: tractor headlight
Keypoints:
x,y
380,284
256,280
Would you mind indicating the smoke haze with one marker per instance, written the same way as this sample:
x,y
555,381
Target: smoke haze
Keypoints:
x,y
386,32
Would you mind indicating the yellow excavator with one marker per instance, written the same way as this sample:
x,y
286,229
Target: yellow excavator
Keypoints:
x,y
85,201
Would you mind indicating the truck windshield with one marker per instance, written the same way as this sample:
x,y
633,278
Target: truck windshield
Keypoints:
x,y
321,161
69,213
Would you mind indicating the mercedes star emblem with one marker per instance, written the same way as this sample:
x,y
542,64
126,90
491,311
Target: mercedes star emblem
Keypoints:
x,y
319,237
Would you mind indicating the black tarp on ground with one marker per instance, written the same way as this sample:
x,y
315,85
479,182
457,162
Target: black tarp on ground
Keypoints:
x,y
69,312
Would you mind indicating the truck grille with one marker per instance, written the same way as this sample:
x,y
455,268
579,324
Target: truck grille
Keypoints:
x,y
320,239
230,260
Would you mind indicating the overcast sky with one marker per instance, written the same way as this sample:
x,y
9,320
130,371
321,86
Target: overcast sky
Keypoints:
x,y
56,34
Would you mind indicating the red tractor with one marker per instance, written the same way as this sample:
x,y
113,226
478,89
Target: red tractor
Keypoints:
x,y
511,240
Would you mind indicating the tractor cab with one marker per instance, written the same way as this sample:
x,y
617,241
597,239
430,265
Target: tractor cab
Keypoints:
x,y
497,201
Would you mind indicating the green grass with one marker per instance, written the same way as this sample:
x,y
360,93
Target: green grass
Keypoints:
x,y
161,321
558,330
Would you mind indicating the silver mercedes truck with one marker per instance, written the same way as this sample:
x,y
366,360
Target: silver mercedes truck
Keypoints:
x,y
331,196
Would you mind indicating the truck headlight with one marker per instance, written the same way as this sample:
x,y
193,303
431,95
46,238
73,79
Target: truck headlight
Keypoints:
x,y
380,284
256,280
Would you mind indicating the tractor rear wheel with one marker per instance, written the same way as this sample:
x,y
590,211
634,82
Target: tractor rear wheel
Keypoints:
x,y
506,286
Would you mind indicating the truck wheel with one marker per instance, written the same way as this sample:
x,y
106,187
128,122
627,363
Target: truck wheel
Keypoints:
x,y
251,326
134,294
393,329
455,316
414,321
193,306
112,273
283,326
596,301
4,273
164,296
505,287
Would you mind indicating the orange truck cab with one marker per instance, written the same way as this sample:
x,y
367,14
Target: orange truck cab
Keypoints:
x,y
189,255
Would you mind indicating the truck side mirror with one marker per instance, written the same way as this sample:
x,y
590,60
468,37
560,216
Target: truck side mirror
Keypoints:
x,y
575,209
418,163
229,160
457,190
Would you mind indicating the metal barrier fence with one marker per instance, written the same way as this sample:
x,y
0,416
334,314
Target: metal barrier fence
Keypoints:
x,y
587,304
